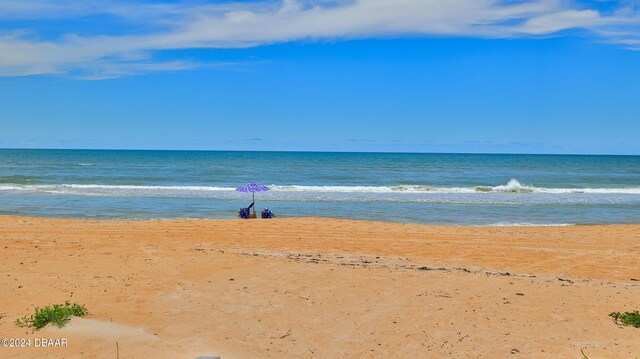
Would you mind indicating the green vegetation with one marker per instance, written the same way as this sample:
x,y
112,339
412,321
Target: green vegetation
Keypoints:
x,y
627,318
58,314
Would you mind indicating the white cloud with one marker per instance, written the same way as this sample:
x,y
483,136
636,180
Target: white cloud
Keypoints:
x,y
563,20
236,25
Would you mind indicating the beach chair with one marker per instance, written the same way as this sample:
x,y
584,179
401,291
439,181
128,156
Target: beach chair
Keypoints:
x,y
267,213
245,213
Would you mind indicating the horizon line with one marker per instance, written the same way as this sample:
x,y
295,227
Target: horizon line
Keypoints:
x,y
316,151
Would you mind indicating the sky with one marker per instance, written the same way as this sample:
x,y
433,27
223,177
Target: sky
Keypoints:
x,y
479,76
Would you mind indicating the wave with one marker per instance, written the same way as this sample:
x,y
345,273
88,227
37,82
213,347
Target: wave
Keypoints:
x,y
526,224
140,187
512,187
16,180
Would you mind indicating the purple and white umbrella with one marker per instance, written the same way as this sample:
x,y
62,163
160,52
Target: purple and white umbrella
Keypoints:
x,y
253,188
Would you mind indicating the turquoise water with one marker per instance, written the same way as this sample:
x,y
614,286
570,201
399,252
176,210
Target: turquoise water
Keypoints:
x,y
422,188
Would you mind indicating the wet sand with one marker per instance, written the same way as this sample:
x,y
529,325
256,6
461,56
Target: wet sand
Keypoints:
x,y
321,288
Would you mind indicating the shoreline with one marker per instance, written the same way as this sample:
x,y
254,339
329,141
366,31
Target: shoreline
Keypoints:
x,y
321,287
168,219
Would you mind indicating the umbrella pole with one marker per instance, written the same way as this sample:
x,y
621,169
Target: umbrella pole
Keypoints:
x,y
253,200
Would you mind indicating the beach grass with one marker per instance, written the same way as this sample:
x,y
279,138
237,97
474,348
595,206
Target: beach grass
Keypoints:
x,y
627,318
58,314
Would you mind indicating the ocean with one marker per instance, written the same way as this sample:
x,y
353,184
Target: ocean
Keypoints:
x,y
449,189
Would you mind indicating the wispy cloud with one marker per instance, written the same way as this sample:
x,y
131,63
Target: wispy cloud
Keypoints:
x,y
25,49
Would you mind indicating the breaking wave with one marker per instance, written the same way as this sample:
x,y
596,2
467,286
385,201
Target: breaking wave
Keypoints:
x,y
513,187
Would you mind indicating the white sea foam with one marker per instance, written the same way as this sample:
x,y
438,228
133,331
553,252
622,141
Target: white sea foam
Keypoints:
x,y
526,224
137,187
512,187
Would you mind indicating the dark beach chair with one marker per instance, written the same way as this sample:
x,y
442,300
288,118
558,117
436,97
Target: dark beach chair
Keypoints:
x,y
245,213
267,213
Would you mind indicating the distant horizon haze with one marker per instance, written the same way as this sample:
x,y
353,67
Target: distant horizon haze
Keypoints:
x,y
314,151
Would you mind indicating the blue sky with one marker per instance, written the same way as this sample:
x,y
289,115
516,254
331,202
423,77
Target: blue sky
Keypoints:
x,y
541,76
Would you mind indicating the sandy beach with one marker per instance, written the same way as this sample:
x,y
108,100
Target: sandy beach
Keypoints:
x,y
321,288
